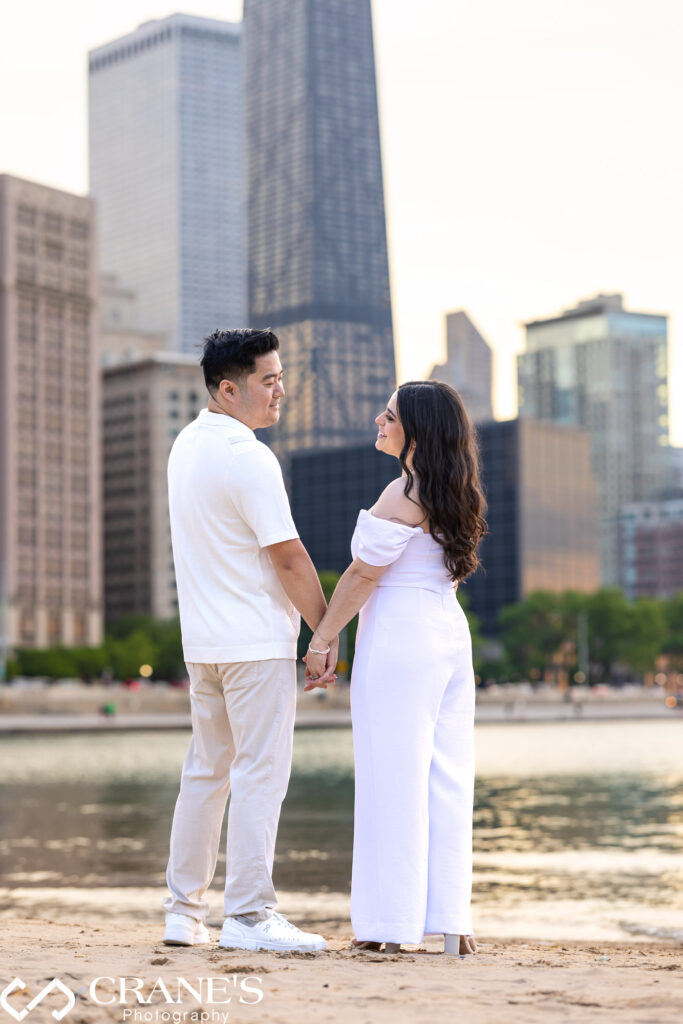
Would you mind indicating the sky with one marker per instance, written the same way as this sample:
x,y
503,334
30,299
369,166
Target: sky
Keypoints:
x,y
532,150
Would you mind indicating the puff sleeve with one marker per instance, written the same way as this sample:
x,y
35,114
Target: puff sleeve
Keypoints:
x,y
381,542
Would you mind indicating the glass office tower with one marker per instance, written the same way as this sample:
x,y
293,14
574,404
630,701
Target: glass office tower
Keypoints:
x,y
318,266
542,516
605,369
167,171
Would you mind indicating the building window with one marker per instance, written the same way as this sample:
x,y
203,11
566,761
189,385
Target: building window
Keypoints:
x,y
26,273
54,627
26,216
53,222
27,627
53,251
79,258
79,229
26,246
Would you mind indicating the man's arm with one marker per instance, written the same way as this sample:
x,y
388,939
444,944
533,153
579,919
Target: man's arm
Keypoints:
x,y
297,574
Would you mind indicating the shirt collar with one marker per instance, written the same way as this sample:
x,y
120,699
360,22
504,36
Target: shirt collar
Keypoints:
x,y
227,423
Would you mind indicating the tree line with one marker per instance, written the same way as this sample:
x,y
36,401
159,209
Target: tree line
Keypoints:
x,y
562,638
589,638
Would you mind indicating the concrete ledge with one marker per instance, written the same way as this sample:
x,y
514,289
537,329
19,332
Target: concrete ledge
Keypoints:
x,y
336,718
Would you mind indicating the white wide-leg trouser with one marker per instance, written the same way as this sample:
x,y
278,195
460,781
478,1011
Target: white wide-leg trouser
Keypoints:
x,y
412,699
242,734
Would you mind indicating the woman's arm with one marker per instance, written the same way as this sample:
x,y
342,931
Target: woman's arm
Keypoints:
x,y
361,578
351,593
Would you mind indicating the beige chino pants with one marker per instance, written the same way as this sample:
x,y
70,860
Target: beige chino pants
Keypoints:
x,y
242,733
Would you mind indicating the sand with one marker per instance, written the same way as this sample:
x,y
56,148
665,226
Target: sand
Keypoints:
x,y
507,981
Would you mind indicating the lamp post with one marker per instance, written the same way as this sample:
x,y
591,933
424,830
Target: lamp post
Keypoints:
x,y
583,655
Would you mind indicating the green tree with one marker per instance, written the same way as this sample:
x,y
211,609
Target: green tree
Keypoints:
x,y
609,624
646,636
12,668
478,640
89,662
131,623
126,655
164,650
496,669
53,663
170,664
673,617
531,632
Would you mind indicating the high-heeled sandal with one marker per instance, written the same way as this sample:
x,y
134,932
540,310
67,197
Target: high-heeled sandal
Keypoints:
x,y
376,947
459,945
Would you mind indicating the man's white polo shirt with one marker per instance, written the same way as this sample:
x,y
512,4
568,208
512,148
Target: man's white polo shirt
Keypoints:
x,y
227,502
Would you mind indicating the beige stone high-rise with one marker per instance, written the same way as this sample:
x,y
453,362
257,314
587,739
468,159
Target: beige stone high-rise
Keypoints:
x,y
50,548
468,367
121,340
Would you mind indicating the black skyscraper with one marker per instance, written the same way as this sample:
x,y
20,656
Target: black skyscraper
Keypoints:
x,y
318,267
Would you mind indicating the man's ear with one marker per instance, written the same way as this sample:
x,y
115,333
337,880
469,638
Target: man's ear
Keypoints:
x,y
228,390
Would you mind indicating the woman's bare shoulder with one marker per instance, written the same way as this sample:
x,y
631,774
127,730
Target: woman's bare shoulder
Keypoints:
x,y
393,504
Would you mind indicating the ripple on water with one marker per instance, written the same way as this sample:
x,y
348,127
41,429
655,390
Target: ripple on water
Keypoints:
x,y
578,826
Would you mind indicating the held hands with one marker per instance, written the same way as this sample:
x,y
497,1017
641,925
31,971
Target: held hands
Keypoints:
x,y
320,667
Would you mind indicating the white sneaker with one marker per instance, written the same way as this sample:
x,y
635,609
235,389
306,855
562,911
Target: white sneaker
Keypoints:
x,y
276,932
182,930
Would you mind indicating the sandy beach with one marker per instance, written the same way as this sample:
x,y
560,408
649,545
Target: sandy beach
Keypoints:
x,y
512,982
576,894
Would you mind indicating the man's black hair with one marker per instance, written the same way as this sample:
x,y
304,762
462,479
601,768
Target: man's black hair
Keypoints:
x,y
231,355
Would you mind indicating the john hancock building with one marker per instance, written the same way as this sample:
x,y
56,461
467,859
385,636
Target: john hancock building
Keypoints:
x,y
318,267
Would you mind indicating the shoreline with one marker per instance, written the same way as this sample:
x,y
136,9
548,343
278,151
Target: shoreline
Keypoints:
x,y
335,717
328,912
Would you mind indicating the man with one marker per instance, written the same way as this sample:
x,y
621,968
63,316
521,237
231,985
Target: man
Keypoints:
x,y
243,578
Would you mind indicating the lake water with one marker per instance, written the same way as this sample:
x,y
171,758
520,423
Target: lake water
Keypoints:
x,y
578,827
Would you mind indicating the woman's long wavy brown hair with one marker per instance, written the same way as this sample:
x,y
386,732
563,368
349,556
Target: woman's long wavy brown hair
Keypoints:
x,y
446,463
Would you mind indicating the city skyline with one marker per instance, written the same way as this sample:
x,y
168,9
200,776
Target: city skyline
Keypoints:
x,y
528,155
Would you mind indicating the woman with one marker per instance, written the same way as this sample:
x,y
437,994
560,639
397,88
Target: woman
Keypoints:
x,y
412,690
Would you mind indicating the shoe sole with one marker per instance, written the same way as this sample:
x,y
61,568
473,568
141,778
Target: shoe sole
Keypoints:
x,y
171,940
253,945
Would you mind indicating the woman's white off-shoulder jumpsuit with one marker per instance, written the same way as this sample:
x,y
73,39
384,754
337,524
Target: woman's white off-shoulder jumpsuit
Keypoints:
x,y
412,704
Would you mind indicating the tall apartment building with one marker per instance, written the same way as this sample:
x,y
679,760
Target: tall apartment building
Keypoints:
x,y
167,171
468,367
651,539
318,265
542,515
50,552
675,473
145,405
605,369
